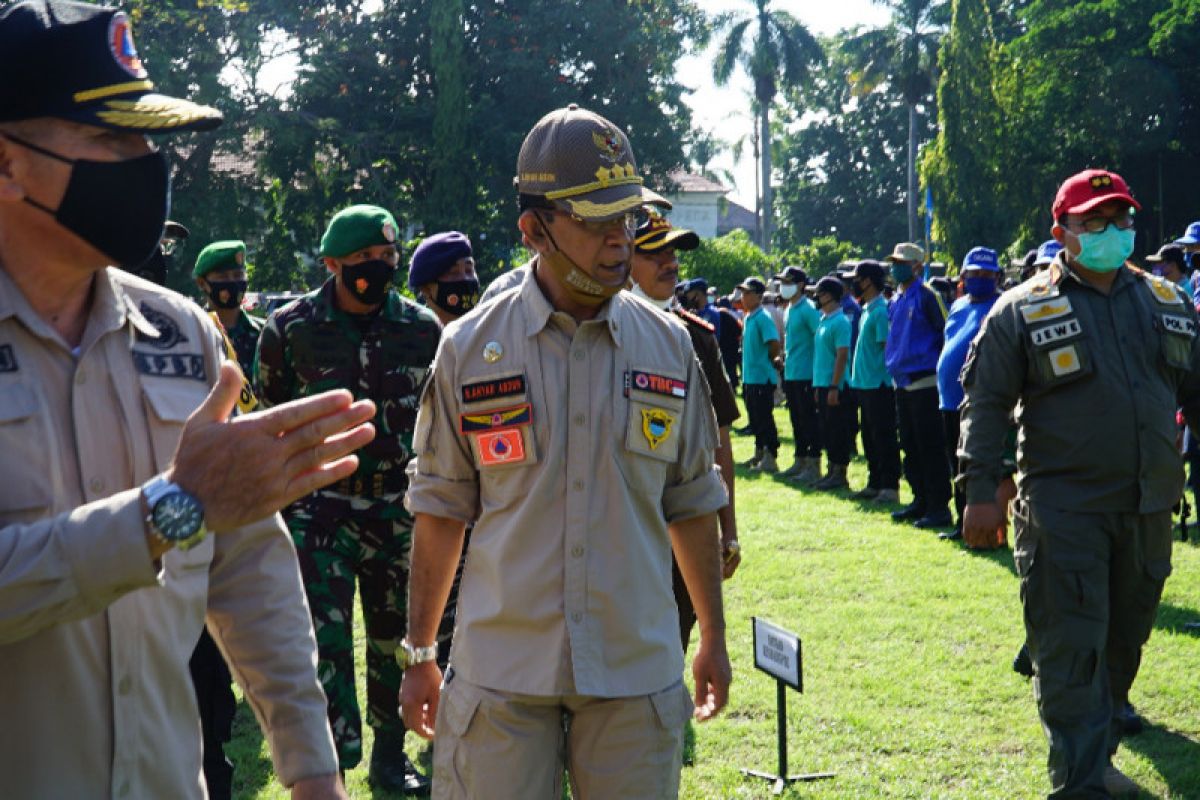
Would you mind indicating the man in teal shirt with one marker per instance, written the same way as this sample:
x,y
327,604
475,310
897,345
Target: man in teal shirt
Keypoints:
x,y
831,355
876,396
799,329
760,354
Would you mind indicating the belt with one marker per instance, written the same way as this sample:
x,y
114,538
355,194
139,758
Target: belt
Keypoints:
x,y
372,485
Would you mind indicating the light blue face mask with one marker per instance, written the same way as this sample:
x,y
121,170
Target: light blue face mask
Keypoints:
x,y
1107,250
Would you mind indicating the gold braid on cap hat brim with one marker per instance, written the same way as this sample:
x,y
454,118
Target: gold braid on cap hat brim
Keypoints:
x,y
617,176
154,115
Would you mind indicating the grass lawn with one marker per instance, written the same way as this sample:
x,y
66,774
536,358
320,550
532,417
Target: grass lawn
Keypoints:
x,y
907,648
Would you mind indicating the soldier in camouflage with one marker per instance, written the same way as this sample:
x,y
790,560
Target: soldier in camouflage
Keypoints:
x,y
220,274
357,333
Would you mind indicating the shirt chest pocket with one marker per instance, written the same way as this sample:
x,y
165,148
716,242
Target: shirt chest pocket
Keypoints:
x,y
1059,353
653,424
1176,335
168,409
24,452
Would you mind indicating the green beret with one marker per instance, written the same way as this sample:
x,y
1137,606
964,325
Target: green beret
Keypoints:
x,y
217,256
356,227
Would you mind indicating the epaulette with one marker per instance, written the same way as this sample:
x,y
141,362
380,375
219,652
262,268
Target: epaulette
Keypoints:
x,y
688,316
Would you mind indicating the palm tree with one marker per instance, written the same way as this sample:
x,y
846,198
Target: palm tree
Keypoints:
x,y
778,52
902,57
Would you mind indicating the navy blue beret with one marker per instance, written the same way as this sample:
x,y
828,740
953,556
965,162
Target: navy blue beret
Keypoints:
x,y
435,255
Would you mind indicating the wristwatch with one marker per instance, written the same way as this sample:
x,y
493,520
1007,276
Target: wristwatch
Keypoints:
x,y
408,656
176,518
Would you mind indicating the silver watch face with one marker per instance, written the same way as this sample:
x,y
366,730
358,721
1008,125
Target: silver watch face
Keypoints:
x,y
178,516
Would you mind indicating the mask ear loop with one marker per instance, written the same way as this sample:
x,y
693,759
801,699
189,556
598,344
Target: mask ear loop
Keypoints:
x,y
48,154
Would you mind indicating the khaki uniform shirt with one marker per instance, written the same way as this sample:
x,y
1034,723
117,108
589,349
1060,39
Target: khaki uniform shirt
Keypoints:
x,y
95,638
572,445
505,281
1095,379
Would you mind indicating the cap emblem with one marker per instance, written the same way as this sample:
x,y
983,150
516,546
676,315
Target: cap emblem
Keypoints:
x,y
1101,182
389,232
609,143
239,257
120,43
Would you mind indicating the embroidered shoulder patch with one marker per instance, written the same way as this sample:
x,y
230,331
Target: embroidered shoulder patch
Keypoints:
x,y
8,359
500,447
655,384
1050,309
656,425
1164,291
507,386
494,420
169,334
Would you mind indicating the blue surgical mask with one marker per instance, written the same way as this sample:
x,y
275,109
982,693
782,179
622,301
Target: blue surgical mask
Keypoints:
x,y
1107,250
902,271
980,288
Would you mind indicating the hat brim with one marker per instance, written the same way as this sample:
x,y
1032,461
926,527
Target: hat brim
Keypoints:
x,y
984,267
605,204
674,237
1186,240
148,113
754,289
1093,202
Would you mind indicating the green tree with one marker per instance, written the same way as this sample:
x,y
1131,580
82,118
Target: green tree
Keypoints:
x,y
726,261
843,162
452,188
901,58
773,48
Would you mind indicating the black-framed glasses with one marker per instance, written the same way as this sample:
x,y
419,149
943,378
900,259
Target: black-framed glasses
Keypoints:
x,y
1099,224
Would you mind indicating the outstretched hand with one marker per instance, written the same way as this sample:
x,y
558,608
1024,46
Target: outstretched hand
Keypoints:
x,y
247,468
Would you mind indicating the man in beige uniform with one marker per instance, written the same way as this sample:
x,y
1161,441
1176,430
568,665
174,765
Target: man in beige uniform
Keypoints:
x,y
572,422
107,423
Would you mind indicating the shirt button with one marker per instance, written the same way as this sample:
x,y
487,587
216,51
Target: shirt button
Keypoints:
x,y
580,419
577,617
124,685
96,485
579,355
578,486
577,551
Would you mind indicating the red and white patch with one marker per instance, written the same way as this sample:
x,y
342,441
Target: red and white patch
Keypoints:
x,y
500,447
120,44
389,232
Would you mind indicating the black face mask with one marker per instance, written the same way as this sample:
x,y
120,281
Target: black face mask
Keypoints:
x,y
857,289
368,281
153,269
118,207
457,297
226,294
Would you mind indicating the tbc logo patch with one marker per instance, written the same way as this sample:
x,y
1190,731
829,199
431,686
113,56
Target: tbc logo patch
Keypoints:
x,y
169,334
656,384
656,426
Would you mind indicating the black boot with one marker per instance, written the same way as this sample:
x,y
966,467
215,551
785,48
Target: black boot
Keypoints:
x,y
390,768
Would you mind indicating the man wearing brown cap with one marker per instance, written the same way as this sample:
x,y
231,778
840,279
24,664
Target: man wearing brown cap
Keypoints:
x,y
1096,355
572,423
654,271
118,455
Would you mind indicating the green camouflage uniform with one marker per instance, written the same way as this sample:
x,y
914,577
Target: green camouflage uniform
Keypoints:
x,y
244,336
1095,379
357,527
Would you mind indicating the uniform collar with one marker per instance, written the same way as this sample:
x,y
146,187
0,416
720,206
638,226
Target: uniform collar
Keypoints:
x,y
538,309
1059,271
110,308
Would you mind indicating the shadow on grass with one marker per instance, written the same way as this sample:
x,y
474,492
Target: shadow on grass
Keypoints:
x,y
252,768
1177,619
1175,756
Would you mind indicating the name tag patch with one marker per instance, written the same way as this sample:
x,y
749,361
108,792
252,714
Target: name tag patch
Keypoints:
x,y
8,359
1050,309
655,384
492,420
1064,360
1053,333
500,447
1180,325
170,365
508,386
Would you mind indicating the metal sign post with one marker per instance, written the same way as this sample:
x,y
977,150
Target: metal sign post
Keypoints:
x,y
778,653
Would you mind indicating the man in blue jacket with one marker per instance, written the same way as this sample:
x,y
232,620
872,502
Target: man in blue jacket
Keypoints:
x,y
917,319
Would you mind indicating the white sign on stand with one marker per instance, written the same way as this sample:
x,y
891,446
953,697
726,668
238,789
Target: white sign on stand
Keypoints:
x,y
777,653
